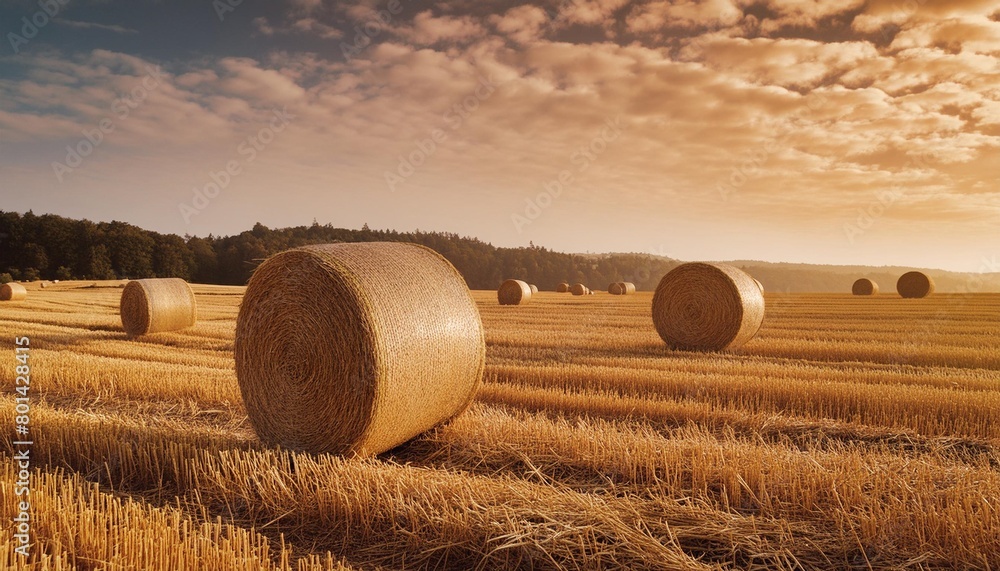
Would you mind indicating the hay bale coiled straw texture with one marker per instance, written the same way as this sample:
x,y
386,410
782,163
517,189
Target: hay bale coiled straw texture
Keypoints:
x,y
864,286
356,348
915,285
562,288
514,292
579,289
760,286
534,289
13,292
157,305
707,307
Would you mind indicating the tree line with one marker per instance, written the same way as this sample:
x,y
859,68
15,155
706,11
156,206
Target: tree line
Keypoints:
x,y
51,247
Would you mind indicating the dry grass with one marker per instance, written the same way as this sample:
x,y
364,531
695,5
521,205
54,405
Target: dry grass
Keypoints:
x,y
851,433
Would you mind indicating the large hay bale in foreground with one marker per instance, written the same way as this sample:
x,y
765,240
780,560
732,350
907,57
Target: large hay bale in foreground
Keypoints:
x,y
157,305
356,348
707,307
915,285
534,289
864,286
562,288
13,292
760,286
579,289
514,292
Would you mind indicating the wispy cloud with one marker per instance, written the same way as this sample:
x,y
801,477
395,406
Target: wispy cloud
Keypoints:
x,y
96,26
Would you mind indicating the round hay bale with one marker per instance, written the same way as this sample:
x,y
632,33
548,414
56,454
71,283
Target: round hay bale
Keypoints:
x,y
707,307
534,289
157,305
562,288
617,288
13,292
44,285
864,286
356,348
629,288
579,289
514,292
915,285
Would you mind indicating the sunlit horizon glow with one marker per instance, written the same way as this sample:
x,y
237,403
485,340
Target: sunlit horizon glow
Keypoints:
x,y
848,132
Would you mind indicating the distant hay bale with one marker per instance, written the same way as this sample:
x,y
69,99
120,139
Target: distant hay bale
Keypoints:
x,y
356,348
864,286
13,292
562,288
534,289
707,307
514,292
157,305
44,285
621,288
579,289
915,285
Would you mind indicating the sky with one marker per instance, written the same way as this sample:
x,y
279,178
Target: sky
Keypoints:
x,y
840,131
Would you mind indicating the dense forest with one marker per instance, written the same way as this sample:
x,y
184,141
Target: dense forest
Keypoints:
x,y
53,247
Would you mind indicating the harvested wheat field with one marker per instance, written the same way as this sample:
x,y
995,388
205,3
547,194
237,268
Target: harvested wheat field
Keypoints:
x,y
848,434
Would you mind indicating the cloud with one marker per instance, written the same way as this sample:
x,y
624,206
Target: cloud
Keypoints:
x,y
588,12
689,15
523,24
96,26
427,29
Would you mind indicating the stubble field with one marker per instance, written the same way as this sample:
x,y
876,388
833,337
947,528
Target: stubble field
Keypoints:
x,y
852,433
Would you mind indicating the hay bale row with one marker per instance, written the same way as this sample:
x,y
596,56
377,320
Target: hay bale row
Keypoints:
x,y
514,292
356,348
157,305
580,289
562,288
621,288
864,286
915,285
707,307
13,292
